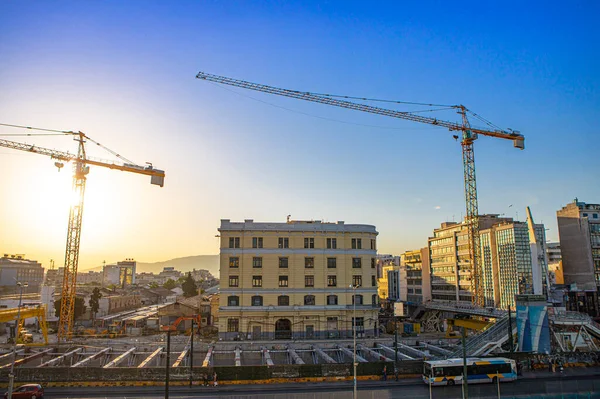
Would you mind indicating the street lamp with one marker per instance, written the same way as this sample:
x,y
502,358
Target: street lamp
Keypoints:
x,y
354,287
11,376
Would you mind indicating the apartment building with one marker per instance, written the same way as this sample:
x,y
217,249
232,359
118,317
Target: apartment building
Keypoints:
x,y
418,282
292,280
579,231
506,263
16,268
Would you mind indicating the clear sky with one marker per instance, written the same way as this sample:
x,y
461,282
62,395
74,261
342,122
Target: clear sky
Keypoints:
x,y
124,73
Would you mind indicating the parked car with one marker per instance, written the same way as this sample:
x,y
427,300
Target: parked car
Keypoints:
x,y
28,391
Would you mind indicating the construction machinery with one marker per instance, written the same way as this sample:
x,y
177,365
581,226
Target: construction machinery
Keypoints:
x,y
468,323
81,169
173,327
469,135
21,335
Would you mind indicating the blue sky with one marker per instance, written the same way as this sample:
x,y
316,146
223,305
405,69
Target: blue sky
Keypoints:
x,y
124,73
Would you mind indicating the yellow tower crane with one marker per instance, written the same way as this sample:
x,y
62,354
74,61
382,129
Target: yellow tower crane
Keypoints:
x,y
469,135
81,169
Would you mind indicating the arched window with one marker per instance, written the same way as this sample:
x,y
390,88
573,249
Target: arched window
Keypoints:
x,y
257,300
332,299
283,300
233,300
309,299
358,299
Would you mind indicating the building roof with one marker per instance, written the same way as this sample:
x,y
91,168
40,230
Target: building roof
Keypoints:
x,y
295,225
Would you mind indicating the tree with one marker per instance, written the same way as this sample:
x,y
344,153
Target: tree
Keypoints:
x,y
170,284
79,307
153,284
94,302
189,286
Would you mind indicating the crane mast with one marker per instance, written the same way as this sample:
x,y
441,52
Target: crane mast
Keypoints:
x,y
80,171
469,135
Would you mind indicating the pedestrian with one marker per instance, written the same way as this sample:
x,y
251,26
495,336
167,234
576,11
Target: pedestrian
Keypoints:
x,y
385,373
554,366
396,371
205,379
531,364
215,382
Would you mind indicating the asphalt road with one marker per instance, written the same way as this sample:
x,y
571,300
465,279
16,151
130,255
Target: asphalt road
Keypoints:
x,y
541,386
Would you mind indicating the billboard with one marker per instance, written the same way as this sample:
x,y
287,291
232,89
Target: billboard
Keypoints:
x,y
532,324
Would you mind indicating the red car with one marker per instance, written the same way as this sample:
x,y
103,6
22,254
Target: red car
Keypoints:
x,y
28,391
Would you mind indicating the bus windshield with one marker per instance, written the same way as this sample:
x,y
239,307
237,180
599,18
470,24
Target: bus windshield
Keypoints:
x,y
426,369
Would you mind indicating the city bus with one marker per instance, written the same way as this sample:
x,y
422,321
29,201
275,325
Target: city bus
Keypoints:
x,y
479,370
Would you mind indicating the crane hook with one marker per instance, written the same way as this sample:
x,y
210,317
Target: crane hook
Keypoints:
x,y
59,165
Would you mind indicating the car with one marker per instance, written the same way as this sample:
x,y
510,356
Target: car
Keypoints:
x,y
28,391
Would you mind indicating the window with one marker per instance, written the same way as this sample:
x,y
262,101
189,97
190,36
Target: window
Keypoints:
x,y
331,243
309,281
332,299
374,299
257,300
257,281
309,300
356,263
595,216
284,242
373,244
585,215
373,263
332,281
357,281
234,281
233,325
356,243
283,263
309,242
331,263
309,263
257,242
257,262
283,281
283,300
234,242
373,281
358,299
233,300
234,262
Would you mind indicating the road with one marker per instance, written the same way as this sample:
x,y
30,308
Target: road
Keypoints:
x,y
541,384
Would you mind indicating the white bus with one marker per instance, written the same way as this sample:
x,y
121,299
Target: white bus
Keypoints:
x,y
479,370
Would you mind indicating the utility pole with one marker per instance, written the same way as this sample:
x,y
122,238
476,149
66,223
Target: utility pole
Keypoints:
x,y
395,341
192,354
465,377
168,365
510,333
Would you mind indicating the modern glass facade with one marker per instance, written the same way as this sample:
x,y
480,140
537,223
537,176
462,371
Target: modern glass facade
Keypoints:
x,y
514,263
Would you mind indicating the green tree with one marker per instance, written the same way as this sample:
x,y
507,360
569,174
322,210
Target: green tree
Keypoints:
x,y
189,286
170,284
153,284
94,302
79,307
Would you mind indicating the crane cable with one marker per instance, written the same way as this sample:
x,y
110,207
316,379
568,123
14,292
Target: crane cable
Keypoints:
x,y
60,133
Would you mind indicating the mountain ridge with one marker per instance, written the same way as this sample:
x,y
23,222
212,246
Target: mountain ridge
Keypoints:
x,y
183,264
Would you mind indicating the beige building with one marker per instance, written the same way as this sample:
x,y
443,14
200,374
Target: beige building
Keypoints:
x,y
292,280
418,279
579,231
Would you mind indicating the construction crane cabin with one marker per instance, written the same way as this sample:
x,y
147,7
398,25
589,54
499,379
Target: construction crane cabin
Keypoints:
x,y
469,135
80,172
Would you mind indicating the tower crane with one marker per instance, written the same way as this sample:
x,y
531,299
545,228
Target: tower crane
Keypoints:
x,y
81,169
469,135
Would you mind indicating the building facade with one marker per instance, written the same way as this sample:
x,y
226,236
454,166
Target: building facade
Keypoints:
x,y
292,280
579,231
418,282
506,264
15,268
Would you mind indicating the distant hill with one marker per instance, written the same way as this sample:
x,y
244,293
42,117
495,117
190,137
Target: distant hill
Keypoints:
x,y
185,264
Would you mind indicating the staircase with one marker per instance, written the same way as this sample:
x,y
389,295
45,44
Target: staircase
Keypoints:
x,y
490,339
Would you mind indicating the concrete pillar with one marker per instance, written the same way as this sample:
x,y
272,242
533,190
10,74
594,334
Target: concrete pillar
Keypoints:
x,y
238,357
267,356
376,355
390,350
349,353
323,355
206,361
295,358
147,360
92,357
120,358
27,359
60,358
